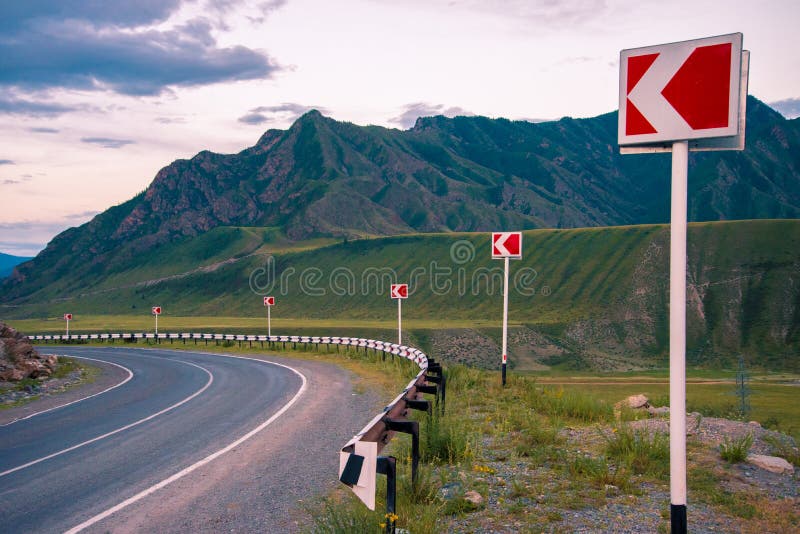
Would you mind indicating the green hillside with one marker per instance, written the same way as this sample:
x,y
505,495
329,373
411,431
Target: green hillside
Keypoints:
x,y
584,297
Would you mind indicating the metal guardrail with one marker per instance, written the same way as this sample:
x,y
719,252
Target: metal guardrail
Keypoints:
x,y
359,460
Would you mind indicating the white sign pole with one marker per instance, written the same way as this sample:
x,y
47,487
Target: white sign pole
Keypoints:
x,y
677,337
67,326
399,321
505,318
269,321
156,324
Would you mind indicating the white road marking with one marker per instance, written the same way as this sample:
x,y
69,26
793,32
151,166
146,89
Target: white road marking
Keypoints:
x,y
180,474
121,429
130,375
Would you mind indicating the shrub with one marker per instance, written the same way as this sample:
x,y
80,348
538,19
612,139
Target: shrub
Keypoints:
x,y
638,450
599,471
734,450
445,438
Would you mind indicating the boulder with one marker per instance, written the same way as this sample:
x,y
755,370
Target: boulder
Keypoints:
x,y
772,464
635,402
474,497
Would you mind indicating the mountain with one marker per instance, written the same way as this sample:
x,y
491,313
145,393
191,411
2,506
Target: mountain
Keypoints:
x,y
8,262
323,178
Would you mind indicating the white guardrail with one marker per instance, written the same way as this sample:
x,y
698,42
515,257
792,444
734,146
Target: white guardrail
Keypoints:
x,y
359,460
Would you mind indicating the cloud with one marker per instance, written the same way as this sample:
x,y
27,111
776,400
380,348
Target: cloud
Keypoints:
x,y
107,142
788,107
285,112
7,162
49,46
119,13
423,109
44,130
170,120
541,13
12,105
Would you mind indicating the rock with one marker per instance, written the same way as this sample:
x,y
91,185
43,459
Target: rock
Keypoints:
x,y
755,424
772,464
635,402
12,375
658,410
474,497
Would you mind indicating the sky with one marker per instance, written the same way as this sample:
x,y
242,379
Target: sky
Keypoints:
x,y
97,96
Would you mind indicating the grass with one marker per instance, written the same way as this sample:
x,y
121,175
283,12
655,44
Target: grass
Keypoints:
x,y
735,450
772,402
573,278
641,452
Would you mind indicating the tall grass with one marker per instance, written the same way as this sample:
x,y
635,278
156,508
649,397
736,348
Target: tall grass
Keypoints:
x,y
644,453
735,450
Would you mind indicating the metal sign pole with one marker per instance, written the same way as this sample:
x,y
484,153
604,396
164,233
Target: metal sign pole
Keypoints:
x,y
269,321
156,324
399,321
505,319
67,327
677,338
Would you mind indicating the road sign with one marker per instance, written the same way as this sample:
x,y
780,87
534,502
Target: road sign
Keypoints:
x,y
269,301
671,95
507,245
680,91
68,316
156,310
399,291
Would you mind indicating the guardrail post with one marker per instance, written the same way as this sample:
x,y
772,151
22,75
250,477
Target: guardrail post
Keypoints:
x,y
386,465
408,427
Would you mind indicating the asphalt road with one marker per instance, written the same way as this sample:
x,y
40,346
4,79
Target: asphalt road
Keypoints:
x,y
61,468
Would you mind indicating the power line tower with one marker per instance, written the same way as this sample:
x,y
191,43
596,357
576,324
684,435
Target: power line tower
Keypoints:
x,y
743,389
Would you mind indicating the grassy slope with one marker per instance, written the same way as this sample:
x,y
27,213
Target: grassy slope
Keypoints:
x,y
599,290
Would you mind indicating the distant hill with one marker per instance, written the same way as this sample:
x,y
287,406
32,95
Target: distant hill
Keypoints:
x,y
595,297
323,178
8,262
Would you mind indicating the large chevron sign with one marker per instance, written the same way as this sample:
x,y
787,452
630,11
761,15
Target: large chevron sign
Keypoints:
x,y
680,91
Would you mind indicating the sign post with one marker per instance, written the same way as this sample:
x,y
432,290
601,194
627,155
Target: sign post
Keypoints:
x,y
399,292
675,98
269,302
67,317
506,245
156,312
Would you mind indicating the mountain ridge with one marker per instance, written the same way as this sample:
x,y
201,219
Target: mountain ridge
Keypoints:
x,y
324,178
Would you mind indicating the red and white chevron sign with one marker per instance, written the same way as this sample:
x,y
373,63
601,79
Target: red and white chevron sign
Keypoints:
x,y
68,316
269,301
507,245
399,291
156,310
680,91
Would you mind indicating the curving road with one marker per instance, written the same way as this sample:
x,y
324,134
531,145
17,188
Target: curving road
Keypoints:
x,y
110,459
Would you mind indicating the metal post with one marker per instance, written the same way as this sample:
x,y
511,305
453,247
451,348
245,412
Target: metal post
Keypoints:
x,y
408,427
269,321
386,465
67,328
156,325
677,339
399,321
505,318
